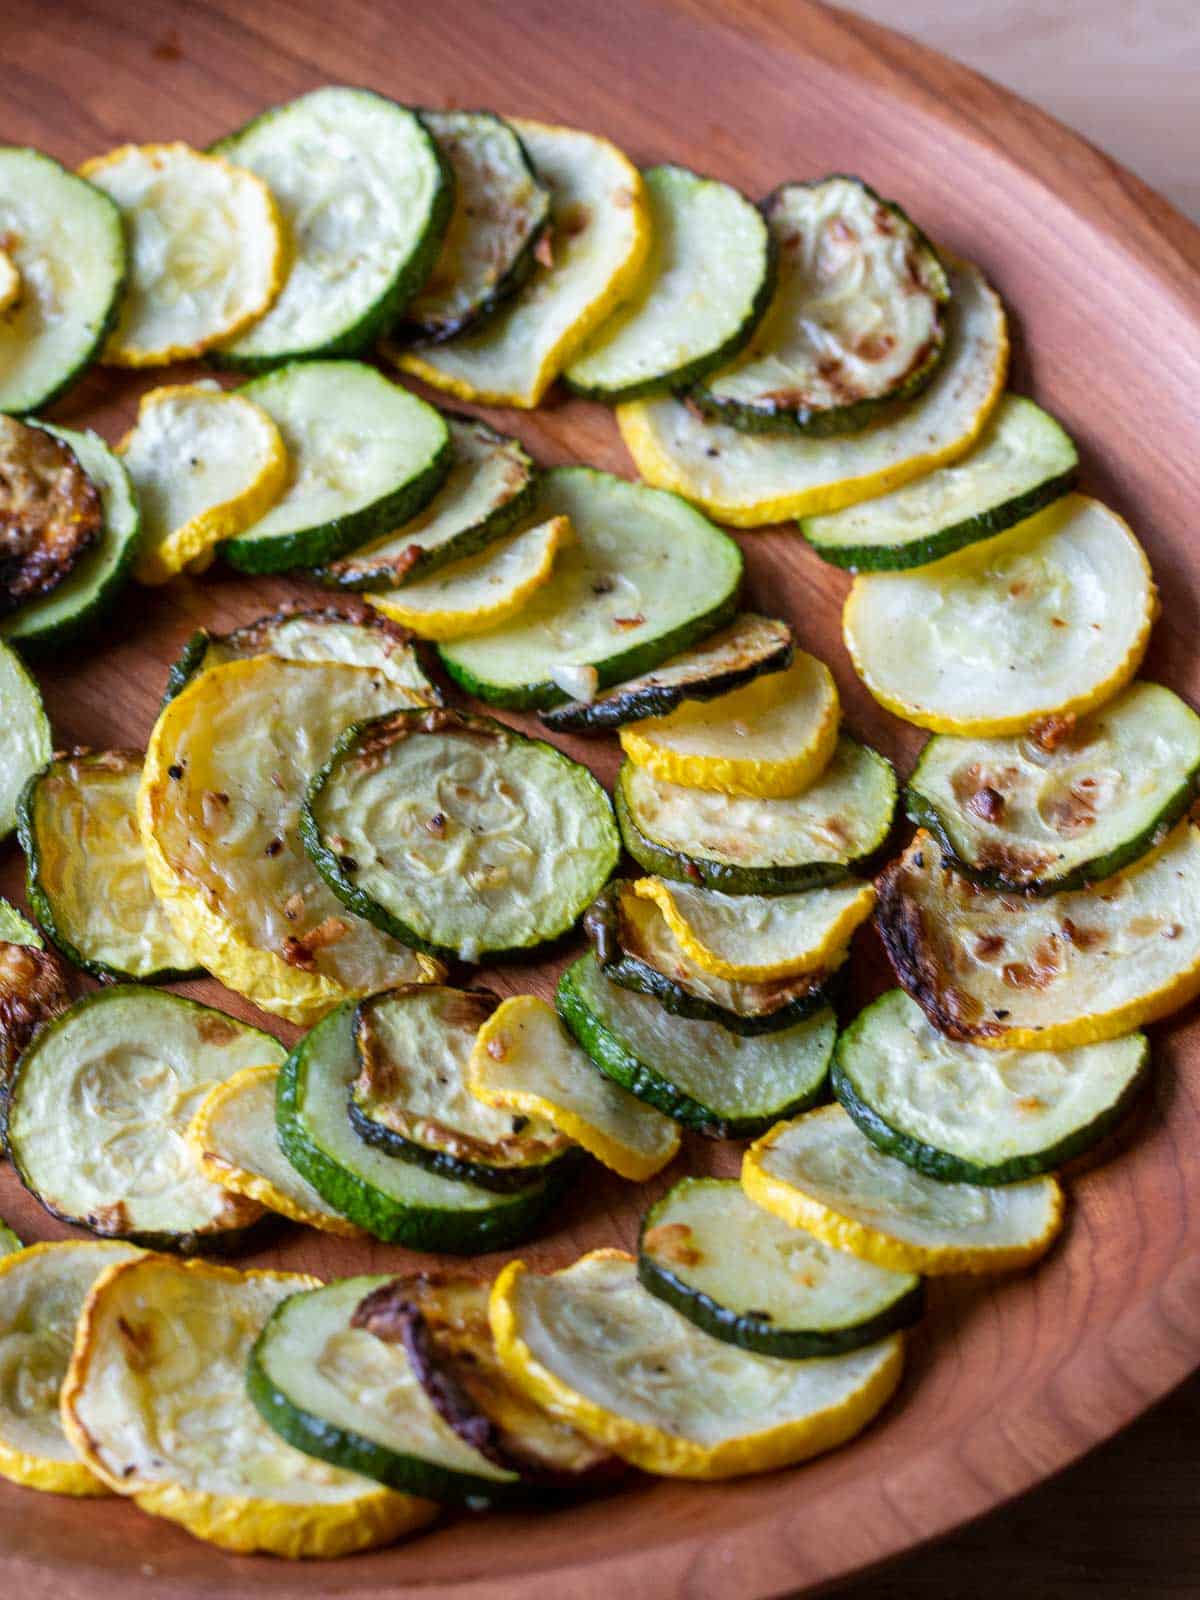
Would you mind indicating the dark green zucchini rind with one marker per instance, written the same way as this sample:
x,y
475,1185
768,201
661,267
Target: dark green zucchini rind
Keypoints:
x,y
369,1195
758,1330
501,1180
651,1080
751,647
791,414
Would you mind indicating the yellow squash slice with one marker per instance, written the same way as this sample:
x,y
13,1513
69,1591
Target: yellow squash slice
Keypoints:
x,y
599,1351
205,246
204,465
233,1136
821,1174
749,479
598,242
1048,620
1045,973
42,1291
219,812
10,282
155,1403
525,1061
768,740
758,937
481,592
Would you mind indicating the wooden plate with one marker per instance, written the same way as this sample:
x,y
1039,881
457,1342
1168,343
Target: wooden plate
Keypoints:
x,y
1008,1382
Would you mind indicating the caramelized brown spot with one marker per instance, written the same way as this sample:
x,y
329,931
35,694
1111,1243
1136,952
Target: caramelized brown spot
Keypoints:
x,y
50,512
987,803
629,622
1081,938
1050,733
139,1343
988,945
674,1242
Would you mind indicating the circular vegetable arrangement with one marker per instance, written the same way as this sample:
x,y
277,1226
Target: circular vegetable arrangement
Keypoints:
x,y
323,825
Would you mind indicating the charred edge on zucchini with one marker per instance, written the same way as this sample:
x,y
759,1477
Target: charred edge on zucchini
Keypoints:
x,y
51,513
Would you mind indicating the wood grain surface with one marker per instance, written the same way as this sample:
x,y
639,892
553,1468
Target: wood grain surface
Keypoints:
x,y
1007,1381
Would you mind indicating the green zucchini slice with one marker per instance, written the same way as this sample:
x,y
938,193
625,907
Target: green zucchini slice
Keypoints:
x,y
748,1279
718,1083
9,1243
741,845
33,989
857,320
410,1096
86,595
67,242
86,869
25,743
455,834
397,1201
352,634
967,1115
1063,969
366,198
1040,815
706,285
1022,461
364,455
500,213
490,488
644,578
750,647
16,929
338,1393
99,1106
636,949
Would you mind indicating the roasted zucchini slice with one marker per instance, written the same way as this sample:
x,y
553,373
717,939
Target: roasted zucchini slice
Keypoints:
x,y
635,948
769,740
442,1322
750,647
219,812
702,292
363,455
25,744
68,245
718,1083
746,1278
155,1403
33,989
482,592
1031,974
489,490
746,479
397,1201
1048,620
644,577
365,198
86,870
822,1174
86,594
1021,462
582,1341
206,250
966,1115
318,1379
500,213
1066,805
349,633
755,938
525,1062
857,320
42,1291
204,465
456,834
589,260
99,1105
235,1140
50,513
751,846
411,1095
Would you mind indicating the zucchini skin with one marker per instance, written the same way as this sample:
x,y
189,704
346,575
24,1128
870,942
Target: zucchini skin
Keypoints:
x,y
645,1083
860,414
417,1228
723,875
378,318
501,1180
629,664
949,1168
